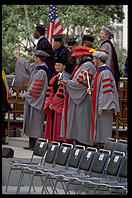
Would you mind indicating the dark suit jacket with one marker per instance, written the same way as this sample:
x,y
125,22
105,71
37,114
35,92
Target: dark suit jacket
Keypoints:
x,y
44,45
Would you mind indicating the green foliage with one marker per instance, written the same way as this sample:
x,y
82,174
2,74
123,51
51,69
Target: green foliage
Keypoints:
x,y
122,55
15,33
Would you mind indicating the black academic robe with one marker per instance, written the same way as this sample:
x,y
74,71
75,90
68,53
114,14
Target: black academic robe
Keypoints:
x,y
66,54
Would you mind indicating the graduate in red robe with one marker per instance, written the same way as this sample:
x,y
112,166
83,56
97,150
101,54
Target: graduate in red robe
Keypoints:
x,y
55,101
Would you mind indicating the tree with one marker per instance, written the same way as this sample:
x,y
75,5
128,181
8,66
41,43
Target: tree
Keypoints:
x,y
15,32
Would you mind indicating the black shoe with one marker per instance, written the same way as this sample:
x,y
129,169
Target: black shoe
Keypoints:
x,y
5,143
28,147
32,148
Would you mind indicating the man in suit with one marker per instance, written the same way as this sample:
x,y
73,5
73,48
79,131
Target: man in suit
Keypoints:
x,y
44,45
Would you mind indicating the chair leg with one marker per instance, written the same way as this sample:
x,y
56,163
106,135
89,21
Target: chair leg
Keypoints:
x,y
8,179
52,185
20,181
67,187
63,183
31,184
44,182
55,184
81,189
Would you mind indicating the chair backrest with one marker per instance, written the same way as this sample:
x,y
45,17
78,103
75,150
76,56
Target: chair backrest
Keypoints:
x,y
87,159
114,163
110,144
63,154
75,158
40,148
121,145
100,162
51,153
123,169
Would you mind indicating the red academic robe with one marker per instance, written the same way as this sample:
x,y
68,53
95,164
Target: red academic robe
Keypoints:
x,y
53,123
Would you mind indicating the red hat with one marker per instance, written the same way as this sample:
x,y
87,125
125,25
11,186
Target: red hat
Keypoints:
x,y
81,51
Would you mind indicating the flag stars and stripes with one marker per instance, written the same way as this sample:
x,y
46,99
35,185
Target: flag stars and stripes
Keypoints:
x,y
52,14
54,26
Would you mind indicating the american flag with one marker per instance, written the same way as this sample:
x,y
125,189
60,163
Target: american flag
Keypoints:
x,y
54,26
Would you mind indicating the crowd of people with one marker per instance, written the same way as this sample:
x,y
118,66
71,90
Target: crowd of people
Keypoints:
x,y
72,89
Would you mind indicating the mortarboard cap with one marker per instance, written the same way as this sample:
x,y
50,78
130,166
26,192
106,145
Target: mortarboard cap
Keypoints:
x,y
59,37
60,59
101,55
40,53
71,41
107,31
88,38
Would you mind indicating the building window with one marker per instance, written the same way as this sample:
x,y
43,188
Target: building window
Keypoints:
x,y
119,35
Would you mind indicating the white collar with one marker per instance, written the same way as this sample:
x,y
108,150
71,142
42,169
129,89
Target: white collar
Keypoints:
x,y
40,37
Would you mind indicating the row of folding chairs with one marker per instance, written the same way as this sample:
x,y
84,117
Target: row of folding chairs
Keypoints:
x,y
116,145
83,169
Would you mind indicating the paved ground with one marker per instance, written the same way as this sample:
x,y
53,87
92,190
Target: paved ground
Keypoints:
x,y
24,190
19,152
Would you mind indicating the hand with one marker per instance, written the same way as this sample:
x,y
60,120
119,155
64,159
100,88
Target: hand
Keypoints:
x,y
63,82
23,95
50,106
100,112
89,90
16,53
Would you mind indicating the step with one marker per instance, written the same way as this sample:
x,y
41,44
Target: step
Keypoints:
x,y
23,141
17,141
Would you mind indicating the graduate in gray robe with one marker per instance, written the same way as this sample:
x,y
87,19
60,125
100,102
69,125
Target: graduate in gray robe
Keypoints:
x,y
104,101
105,36
34,99
77,108
23,69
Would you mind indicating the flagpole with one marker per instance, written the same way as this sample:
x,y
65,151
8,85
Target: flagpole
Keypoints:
x,y
28,25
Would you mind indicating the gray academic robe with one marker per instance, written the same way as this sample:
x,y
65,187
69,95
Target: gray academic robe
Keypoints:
x,y
23,70
107,47
79,106
104,97
34,102
112,61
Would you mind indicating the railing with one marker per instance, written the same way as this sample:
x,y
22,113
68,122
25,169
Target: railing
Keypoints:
x,y
17,104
